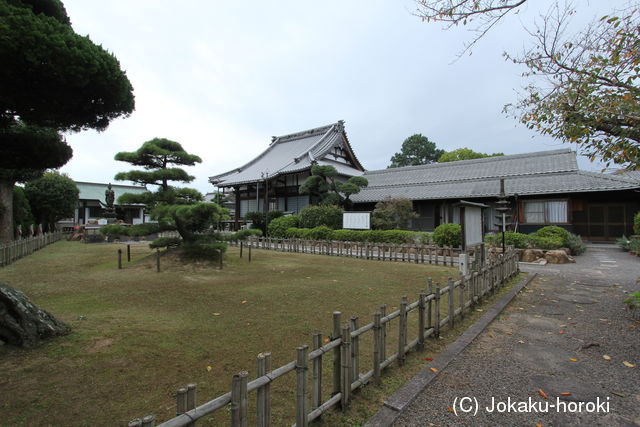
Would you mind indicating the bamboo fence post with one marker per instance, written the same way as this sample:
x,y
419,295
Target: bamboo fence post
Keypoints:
x,y
377,347
462,286
429,308
316,388
181,401
263,394
437,309
239,399
355,351
250,245
149,421
337,333
301,386
383,333
345,359
119,259
421,320
158,260
191,400
402,330
241,249
128,253
451,309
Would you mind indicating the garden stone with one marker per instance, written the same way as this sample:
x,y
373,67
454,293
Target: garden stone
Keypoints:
x,y
22,323
532,255
558,257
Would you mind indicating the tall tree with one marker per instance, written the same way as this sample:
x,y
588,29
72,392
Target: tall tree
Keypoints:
x,y
324,186
52,197
464,154
54,80
416,150
156,157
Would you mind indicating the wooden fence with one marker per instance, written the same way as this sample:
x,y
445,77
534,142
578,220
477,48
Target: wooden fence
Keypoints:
x,y
16,249
457,296
419,254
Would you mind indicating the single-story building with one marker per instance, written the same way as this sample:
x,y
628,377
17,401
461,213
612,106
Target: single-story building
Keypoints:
x,y
92,203
543,188
271,180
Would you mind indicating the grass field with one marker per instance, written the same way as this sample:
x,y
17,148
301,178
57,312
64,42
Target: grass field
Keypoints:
x,y
139,335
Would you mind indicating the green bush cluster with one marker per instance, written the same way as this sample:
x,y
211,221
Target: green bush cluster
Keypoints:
x,y
549,237
114,230
243,234
448,234
165,242
278,227
636,223
371,236
316,216
258,219
202,249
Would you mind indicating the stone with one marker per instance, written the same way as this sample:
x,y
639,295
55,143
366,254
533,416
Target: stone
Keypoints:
x,y
22,323
558,257
532,255
566,250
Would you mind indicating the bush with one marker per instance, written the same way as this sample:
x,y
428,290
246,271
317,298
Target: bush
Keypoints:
x,y
165,242
243,234
144,229
113,230
624,243
315,216
318,233
553,231
93,238
278,227
258,219
348,235
511,238
448,234
636,223
540,242
424,238
391,214
576,244
203,249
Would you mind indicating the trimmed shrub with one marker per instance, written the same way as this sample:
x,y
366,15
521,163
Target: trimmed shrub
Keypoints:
x,y
448,234
575,243
165,242
636,223
113,230
203,250
144,229
243,234
258,219
348,235
315,216
424,238
278,226
552,231
511,238
318,233
542,242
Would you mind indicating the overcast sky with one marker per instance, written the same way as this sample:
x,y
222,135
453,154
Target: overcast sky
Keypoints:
x,y
222,77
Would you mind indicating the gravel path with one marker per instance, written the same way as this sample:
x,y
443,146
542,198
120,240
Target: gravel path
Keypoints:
x,y
552,338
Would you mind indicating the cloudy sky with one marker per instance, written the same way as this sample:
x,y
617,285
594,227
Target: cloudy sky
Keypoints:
x,y
222,77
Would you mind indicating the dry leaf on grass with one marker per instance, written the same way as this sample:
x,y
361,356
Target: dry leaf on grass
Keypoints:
x,y
244,302
628,364
326,340
573,359
606,357
521,342
543,394
216,314
433,369
209,368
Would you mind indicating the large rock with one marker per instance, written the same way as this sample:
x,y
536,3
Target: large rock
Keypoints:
x,y
22,323
558,257
532,255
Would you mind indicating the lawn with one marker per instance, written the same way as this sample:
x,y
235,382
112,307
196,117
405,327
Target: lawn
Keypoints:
x,y
139,335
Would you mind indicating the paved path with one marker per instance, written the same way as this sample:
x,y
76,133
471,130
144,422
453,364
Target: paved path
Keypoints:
x,y
552,338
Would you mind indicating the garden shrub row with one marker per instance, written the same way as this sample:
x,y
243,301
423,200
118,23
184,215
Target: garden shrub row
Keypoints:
x,y
549,237
115,230
370,236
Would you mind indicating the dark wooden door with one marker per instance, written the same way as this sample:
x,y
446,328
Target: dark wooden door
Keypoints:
x,y
606,221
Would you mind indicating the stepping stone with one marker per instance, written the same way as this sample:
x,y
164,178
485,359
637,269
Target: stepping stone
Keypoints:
x,y
576,299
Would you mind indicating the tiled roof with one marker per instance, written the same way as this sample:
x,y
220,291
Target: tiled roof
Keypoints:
x,y
546,172
95,191
634,175
292,153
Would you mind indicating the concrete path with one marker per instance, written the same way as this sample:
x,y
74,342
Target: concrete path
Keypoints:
x,y
550,341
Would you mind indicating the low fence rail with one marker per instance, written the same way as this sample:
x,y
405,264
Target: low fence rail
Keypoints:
x,y
458,296
419,254
16,249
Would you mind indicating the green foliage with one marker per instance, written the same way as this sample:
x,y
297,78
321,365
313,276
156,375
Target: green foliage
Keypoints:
x,y
448,234
636,223
278,226
30,149
391,214
21,210
321,232
545,242
575,244
511,238
52,197
553,231
416,150
59,79
165,242
188,219
314,216
258,219
114,230
203,249
634,245
323,186
243,234
624,243
633,301
145,229
371,236
464,154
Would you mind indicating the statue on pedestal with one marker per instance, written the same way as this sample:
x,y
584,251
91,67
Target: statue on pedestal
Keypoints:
x,y
110,197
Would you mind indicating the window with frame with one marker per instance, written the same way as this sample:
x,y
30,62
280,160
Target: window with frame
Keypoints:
x,y
545,212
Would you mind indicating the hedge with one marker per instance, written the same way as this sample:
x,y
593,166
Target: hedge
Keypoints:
x,y
278,227
371,236
448,234
315,216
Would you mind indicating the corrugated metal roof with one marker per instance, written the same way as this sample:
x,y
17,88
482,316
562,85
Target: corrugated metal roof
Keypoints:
x,y
95,191
547,172
291,153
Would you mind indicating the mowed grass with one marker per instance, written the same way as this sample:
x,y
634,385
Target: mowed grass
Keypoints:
x,y
139,335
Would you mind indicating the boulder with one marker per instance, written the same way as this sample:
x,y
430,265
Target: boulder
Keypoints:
x,y
22,323
566,250
532,255
558,257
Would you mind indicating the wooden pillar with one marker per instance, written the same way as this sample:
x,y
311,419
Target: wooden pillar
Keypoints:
x,y
236,224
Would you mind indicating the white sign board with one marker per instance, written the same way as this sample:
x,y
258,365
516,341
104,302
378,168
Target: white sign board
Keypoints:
x,y
356,220
472,225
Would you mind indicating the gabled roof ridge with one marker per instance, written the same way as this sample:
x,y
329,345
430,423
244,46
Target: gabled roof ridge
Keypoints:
x,y
472,161
610,177
303,134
